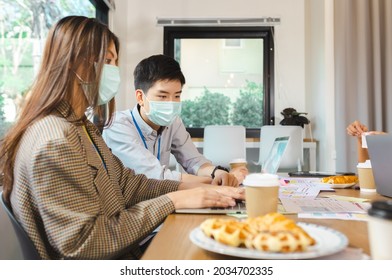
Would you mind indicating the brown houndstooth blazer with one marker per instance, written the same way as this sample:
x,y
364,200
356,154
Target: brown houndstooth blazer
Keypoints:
x,y
71,206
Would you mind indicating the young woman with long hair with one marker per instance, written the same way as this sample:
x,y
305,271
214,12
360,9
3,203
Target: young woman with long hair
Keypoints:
x,y
74,198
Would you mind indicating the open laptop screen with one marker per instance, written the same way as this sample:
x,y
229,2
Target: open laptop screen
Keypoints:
x,y
380,154
271,164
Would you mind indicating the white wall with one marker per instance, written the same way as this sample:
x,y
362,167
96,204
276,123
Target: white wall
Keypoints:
x,y
300,50
319,78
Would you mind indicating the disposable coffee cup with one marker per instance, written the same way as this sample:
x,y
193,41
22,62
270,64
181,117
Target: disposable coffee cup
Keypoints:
x,y
365,176
261,194
380,230
238,162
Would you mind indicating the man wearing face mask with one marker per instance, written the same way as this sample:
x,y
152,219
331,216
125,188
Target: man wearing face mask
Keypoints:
x,y
145,136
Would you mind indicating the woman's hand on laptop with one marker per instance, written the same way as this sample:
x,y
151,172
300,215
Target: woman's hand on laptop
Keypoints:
x,y
206,196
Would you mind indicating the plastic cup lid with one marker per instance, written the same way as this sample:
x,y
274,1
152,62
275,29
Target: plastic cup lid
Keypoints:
x,y
261,179
238,160
366,164
381,209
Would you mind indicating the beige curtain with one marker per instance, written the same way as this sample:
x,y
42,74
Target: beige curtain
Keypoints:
x,y
363,71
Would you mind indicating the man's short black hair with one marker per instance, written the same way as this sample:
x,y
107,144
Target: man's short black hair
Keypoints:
x,y
157,68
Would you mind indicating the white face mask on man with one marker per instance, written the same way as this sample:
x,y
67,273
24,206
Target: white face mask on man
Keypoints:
x,y
163,113
108,86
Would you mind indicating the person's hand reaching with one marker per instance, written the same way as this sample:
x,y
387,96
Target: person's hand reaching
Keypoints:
x,y
356,129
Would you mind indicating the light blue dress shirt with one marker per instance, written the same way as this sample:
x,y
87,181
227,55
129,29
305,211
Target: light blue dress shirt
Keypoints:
x,y
127,144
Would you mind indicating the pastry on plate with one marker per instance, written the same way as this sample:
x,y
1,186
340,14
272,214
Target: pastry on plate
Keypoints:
x,y
347,179
272,233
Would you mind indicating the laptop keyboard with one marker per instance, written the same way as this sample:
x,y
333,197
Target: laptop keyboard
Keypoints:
x,y
239,206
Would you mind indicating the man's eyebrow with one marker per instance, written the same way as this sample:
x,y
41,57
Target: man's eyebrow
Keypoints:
x,y
166,92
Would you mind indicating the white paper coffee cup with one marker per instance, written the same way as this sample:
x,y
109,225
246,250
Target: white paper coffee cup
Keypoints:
x,y
365,176
238,162
261,194
380,230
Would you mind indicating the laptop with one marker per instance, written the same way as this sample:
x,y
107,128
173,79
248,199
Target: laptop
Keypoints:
x,y
270,165
275,155
380,153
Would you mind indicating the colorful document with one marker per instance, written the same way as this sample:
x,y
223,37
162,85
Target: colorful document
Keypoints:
x,y
336,216
307,205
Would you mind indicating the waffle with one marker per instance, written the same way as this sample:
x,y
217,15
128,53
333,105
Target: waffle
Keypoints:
x,y
226,231
272,233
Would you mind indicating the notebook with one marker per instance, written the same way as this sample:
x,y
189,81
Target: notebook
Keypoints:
x,y
380,153
270,165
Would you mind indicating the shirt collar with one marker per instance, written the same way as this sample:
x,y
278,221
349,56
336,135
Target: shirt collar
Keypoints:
x,y
145,128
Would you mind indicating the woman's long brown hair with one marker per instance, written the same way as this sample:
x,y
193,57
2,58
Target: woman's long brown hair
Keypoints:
x,y
75,43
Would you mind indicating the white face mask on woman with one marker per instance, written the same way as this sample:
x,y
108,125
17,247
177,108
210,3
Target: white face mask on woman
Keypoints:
x,y
163,113
108,86
110,83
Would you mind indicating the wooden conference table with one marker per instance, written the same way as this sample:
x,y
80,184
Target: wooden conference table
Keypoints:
x,y
172,241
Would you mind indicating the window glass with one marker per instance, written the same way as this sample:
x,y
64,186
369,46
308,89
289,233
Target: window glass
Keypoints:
x,y
229,74
24,25
224,85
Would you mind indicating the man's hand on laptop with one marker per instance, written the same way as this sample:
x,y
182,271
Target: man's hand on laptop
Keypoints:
x,y
225,179
240,173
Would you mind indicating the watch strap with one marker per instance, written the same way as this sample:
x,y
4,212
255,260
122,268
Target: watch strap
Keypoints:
x,y
220,168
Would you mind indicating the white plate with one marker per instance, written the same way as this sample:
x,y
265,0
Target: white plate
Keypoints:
x,y
338,186
328,242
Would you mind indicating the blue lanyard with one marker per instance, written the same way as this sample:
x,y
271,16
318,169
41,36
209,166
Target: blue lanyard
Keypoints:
x,y
144,140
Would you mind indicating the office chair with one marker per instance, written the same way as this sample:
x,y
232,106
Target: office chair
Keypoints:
x,y
223,143
28,249
292,159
